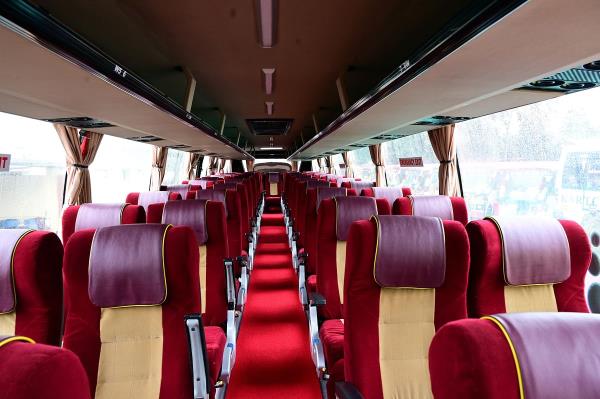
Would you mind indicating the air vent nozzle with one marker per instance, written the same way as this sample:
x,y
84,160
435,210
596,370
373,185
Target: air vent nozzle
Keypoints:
x,y
83,122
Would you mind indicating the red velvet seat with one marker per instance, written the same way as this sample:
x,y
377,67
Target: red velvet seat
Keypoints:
x,y
211,236
396,295
99,215
29,370
455,207
489,291
146,198
31,285
389,193
358,184
335,215
144,347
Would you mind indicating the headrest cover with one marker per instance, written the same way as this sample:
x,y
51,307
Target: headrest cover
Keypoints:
x,y
213,195
389,193
331,177
329,192
201,183
152,197
351,209
188,213
361,185
179,188
432,205
273,177
535,250
225,186
127,266
211,178
564,364
94,216
9,240
343,180
410,253
316,183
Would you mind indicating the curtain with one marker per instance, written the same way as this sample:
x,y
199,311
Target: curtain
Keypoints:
x,y
79,156
194,160
199,169
295,166
442,141
348,162
159,162
213,162
221,167
377,159
320,164
250,165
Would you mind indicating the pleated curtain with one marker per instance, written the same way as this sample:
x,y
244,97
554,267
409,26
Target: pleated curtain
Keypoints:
x,y
295,165
319,163
442,141
221,167
348,162
79,156
159,162
250,165
194,159
377,159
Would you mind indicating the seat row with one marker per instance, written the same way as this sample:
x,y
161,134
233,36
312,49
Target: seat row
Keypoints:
x,y
387,284
119,274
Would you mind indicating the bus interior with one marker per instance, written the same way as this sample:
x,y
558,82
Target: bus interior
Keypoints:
x,y
299,199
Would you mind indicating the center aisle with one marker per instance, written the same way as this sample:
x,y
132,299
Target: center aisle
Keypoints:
x,y
273,354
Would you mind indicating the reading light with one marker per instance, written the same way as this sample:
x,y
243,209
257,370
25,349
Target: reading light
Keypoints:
x,y
268,78
269,105
266,11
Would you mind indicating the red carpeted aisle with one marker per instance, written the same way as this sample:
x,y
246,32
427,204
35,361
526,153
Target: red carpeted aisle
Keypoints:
x,y
273,354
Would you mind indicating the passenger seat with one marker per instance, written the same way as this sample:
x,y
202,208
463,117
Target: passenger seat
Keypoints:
x,y
146,198
31,293
442,206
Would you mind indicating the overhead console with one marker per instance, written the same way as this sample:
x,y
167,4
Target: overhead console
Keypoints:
x,y
50,73
511,54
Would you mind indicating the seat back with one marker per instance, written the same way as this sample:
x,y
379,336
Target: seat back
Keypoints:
x,y
442,206
146,198
358,185
94,216
30,370
182,189
125,323
389,193
503,357
527,264
31,284
405,278
334,219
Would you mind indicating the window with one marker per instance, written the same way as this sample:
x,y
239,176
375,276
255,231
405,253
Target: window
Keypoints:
x,y
421,180
32,190
362,165
121,166
337,161
176,169
540,159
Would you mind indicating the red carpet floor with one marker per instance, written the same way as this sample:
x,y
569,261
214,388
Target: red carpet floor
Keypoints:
x,y
273,354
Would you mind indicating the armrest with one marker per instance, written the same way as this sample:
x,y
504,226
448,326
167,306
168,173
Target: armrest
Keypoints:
x,y
345,390
316,299
198,355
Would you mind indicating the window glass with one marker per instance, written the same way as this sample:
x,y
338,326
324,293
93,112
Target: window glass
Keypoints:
x,y
176,169
362,165
540,159
337,161
421,180
121,167
31,192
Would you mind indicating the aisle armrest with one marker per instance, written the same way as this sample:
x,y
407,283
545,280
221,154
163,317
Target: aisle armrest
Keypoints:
x,y
231,329
198,356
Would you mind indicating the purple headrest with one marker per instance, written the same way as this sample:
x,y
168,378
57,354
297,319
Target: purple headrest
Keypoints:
x,y
211,178
273,177
213,195
329,192
225,186
316,183
351,209
9,239
389,193
127,266
432,205
411,252
179,188
188,213
361,184
201,183
557,366
535,250
344,179
152,197
94,216
331,177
